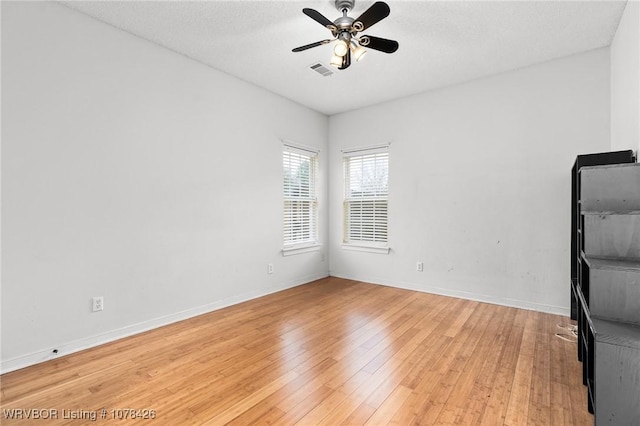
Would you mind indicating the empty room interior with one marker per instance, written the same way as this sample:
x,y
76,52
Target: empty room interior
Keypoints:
x,y
320,212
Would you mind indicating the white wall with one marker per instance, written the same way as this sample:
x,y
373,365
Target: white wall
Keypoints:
x,y
625,81
480,182
136,174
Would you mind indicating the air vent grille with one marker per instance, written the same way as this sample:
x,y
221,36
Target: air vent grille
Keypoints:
x,y
321,69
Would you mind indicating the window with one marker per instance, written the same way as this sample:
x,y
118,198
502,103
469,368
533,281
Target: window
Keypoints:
x,y
366,191
300,202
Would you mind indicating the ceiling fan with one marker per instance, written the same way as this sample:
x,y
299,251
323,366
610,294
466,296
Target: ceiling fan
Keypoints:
x,y
345,30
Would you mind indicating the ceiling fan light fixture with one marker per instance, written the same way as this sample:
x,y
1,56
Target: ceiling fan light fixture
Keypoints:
x,y
341,48
358,52
336,61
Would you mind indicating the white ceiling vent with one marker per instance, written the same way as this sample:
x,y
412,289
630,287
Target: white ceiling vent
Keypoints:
x,y
321,69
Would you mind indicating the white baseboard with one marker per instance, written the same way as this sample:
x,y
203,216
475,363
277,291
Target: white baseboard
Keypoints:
x,y
130,330
502,301
110,336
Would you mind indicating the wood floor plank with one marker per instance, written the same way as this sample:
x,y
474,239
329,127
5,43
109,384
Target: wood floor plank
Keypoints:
x,y
332,401
249,401
461,396
487,350
330,352
517,409
500,388
269,408
455,358
384,380
389,406
541,377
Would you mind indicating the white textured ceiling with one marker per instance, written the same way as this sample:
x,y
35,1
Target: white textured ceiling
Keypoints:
x,y
441,42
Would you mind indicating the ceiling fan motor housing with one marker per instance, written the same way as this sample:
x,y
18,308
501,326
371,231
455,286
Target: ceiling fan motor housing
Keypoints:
x,y
343,23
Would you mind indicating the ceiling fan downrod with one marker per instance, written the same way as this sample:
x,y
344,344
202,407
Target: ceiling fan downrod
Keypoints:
x,y
343,5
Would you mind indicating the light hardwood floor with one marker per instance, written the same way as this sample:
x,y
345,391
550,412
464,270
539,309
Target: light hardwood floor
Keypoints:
x,y
330,352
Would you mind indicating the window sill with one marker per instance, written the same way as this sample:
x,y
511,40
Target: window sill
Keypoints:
x,y
367,249
290,251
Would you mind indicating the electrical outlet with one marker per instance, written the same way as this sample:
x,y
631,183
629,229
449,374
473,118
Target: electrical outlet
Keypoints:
x,y
270,268
419,266
98,304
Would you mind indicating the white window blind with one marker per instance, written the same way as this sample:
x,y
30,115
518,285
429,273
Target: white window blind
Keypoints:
x,y
366,177
300,202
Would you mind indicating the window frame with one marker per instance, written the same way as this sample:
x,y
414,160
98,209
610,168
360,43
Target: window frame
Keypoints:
x,y
292,245
376,245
